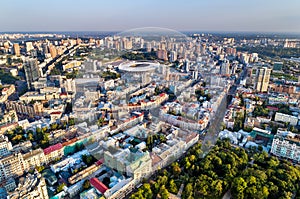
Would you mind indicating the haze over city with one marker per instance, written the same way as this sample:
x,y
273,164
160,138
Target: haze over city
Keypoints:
x,y
119,15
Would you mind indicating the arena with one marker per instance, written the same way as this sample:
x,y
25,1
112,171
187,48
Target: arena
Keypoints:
x,y
138,66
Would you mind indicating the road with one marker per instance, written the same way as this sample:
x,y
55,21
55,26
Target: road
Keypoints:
x,y
213,130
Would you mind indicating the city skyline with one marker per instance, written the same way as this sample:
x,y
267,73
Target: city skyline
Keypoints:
x,y
117,15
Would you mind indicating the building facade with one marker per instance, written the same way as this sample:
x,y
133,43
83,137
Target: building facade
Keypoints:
x,y
286,147
11,166
262,79
31,71
281,117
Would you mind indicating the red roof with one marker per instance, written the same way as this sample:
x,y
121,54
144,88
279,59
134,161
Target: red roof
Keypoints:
x,y
98,185
99,162
56,113
52,148
272,108
8,125
69,142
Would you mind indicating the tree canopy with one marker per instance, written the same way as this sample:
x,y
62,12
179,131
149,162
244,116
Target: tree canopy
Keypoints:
x,y
225,168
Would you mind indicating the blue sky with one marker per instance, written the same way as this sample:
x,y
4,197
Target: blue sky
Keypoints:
x,y
100,15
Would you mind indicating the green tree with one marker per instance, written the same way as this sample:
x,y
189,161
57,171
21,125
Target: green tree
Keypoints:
x,y
53,126
147,192
238,187
176,169
71,121
86,185
88,159
60,187
39,168
164,193
173,187
217,187
188,191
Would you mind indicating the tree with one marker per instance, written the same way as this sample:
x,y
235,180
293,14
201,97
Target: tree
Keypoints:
x,y
53,126
176,169
60,187
173,187
217,187
187,164
162,138
147,191
100,121
71,121
248,128
86,185
17,138
88,159
164,193
188,191
192,158
138,195
238,187
223,126
30,136
40,168
55,71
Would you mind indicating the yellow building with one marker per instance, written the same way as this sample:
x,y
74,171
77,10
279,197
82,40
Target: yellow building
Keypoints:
x,y
34,158
11,166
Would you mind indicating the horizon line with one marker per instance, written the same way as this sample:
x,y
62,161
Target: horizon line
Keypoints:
x,y
187,30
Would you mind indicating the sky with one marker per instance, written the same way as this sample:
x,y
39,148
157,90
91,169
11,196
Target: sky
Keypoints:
x,y
120,15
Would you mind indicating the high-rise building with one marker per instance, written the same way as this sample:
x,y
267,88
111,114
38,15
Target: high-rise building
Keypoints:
x,y
31,71
45,48
148,46
29,46
16,49
195,74
162,54
187,66
262,79
173,56
53,51
225,70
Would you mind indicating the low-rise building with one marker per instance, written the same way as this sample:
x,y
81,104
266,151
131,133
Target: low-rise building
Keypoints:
x,y
9,184
33,186
31,110
287,145
6,92
11,166
136,164
5,146
53,152
281,117
34,158
89,194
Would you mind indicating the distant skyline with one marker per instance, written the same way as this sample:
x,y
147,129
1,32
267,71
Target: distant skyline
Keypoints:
x,y
120,15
